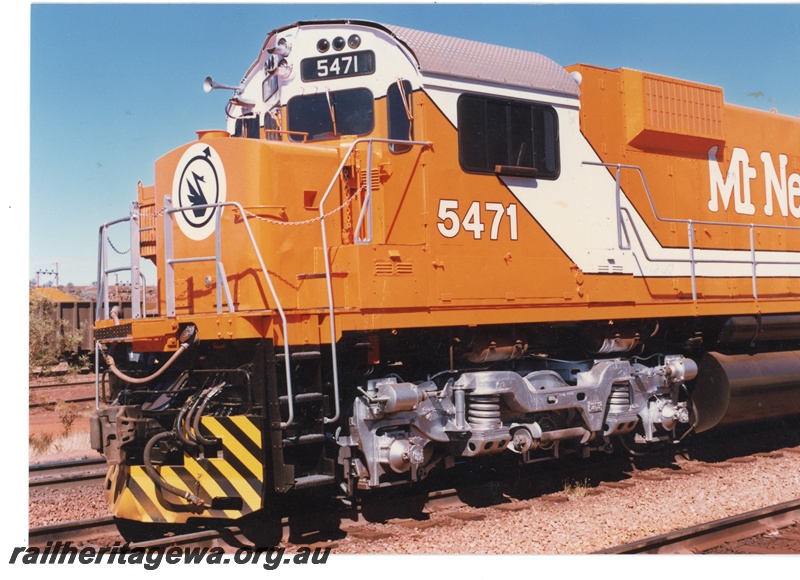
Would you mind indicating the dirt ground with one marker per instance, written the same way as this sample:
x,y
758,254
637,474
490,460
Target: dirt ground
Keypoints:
x,y
45,419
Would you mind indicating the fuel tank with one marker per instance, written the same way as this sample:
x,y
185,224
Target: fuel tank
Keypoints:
x,y
733,389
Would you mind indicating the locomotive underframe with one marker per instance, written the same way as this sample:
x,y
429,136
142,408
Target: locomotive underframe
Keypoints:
x,y
417,400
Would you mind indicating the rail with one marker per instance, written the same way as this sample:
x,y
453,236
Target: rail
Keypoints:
x,y
624,242
365,213
709,535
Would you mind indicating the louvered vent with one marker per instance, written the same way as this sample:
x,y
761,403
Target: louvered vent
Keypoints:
x,y
404,269
672,114
147,230
383,268
376,178
388,268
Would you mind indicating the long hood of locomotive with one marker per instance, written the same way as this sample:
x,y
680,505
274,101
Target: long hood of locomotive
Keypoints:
x,y
705,186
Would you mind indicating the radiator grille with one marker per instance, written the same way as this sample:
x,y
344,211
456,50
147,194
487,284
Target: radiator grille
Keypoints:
x,y
675,106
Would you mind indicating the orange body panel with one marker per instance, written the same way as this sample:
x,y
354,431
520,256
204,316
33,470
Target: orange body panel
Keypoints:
x,y
410,276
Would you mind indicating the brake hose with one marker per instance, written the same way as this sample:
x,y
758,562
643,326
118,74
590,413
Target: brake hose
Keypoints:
x,y
189,336
181,420
195,420
156,477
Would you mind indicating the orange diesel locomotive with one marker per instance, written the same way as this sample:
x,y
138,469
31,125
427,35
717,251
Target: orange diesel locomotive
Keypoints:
x,y
409,250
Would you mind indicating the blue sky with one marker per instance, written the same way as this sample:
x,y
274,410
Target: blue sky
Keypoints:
x,y
114,87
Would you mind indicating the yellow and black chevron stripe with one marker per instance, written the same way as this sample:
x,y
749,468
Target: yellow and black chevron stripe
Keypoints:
x,y
236,478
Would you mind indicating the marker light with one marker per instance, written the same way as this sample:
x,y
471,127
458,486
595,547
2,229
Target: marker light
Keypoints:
x,y
354,41
338,43
323,45
282,48
284,70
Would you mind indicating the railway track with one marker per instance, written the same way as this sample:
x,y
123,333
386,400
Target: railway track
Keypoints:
x,y
74,531
37,387
37,405
47,395
42,404
435,507
710,535
292,529
66,474
767,523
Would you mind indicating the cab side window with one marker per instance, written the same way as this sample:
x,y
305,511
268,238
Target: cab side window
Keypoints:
x,y
399,106
507,137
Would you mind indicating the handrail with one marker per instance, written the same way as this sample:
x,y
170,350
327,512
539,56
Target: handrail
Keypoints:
x,y
692,260
102,305
328,277
677,220
222,284
169,209
222,280
138,304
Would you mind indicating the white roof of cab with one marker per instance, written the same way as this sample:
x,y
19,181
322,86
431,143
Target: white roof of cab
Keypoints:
x,y
449,56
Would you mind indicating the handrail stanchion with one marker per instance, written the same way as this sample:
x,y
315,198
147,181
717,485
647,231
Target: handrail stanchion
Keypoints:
x,y
690,228
328,278
169,267
101,242
218,261
753,256
105,274
136,289
618,203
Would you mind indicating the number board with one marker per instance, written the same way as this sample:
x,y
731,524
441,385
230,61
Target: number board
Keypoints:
x,y
351,64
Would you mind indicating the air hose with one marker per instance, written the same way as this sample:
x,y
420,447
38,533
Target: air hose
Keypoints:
x,y
156,477
195,419
182,419
187,423
188,337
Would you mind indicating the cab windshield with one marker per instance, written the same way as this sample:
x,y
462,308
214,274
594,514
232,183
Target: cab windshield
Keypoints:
x,y
330,114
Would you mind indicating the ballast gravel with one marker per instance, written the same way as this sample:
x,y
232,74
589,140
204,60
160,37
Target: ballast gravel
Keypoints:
x,y
607,516
580,521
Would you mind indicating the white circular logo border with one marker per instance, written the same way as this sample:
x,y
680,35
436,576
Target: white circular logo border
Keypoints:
x,y
205,160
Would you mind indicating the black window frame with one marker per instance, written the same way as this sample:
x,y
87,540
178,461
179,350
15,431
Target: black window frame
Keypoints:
x,y
323,98
248,127
488,145
398,125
